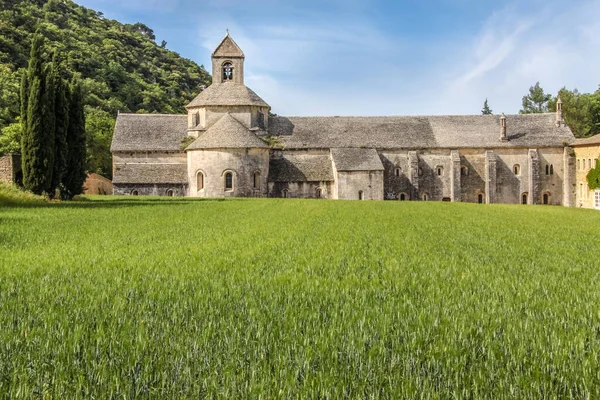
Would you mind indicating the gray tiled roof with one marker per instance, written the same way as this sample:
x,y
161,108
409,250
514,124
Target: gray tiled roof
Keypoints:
x,y
149,132
593,140
227,133
228,48
150,173
301,168
475,131
356,159
227,94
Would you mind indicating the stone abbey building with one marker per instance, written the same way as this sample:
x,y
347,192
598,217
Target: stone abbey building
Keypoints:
x,y
228,145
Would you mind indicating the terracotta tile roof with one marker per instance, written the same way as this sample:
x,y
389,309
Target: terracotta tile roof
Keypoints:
x,y
227,133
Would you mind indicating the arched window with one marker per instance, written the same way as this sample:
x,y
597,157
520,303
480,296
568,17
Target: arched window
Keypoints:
x,y
579,164
227,72
584,163
480,198
397,171
361,195
318,193
581,191
517,169
257,180
524,198
402,196
440,171
551,169
548,168
546,198
590,163
228,181
170,193
425,197
284,193
200,181
134,193
464,170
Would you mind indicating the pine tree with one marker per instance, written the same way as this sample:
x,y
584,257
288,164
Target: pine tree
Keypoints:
x,y
61,124
75,174
536,102
37,146
486,108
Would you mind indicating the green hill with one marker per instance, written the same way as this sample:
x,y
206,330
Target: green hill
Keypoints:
x,y
121,66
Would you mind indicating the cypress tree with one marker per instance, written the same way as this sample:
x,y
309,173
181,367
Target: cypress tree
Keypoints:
x,y
37,145
24,97
75,171
61,124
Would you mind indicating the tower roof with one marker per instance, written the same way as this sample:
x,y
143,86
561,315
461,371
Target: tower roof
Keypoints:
x,y
227,94
228,48
228,133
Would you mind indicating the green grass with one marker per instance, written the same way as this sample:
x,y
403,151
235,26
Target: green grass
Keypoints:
x,y
11,195
171,298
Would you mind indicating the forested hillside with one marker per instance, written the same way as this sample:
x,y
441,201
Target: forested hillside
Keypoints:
x,y
121,68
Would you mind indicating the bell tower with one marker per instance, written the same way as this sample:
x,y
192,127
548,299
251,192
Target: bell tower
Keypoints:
x,y
228,62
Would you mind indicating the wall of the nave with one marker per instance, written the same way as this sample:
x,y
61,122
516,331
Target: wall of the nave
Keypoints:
x,y
351,184
395,186
301,190
242,163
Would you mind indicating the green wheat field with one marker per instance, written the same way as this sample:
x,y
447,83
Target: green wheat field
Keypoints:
x,y
122,298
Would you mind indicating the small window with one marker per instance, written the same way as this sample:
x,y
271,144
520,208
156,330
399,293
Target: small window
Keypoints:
x,y
397,172
200,181
480,198
284,193
318,193
517,169
548,168
581,191
170,193
440,171
134,193
227,72
420,172
546,199
551,169
425,197
584,163
257,180
228,181
361,195
524,198
590,163
402,197
464,170
578,164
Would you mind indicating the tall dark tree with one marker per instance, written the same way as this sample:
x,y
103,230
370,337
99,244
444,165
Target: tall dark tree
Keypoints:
x,y
37,146
75,174
536,102
486,108
61,124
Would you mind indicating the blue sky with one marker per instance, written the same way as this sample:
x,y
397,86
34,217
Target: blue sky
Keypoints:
x,y
384,57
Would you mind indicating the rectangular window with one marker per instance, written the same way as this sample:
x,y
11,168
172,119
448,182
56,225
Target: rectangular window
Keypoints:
x,y
597,200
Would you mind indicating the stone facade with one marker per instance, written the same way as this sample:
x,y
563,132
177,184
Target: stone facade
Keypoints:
x,y
587,152
229,146
97,184
10,168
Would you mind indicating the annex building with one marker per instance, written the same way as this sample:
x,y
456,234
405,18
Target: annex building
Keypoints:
x,y
228,145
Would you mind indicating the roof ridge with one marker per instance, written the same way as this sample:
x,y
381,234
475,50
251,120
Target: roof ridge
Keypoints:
x,y
410,116
153,115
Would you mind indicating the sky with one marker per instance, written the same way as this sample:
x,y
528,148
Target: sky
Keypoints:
x,y
385,57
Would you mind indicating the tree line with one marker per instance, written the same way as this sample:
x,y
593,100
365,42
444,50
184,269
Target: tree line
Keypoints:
x,y
581,111
53,142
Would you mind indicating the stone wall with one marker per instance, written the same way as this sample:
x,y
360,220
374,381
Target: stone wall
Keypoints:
x,y
301,190
588,153
351,184
242,163
177,190
10,168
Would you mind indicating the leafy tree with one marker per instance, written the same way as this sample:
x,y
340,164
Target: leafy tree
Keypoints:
x,y
9,95
536,102
486,108
593,177
10,139
75,173
581,111
99,127
37,147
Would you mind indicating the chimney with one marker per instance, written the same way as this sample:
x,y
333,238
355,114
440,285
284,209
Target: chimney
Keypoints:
x,y
559,113
503,136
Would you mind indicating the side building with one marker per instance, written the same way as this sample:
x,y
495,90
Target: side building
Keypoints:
x,y
229,145
587,152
